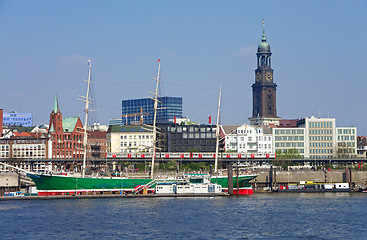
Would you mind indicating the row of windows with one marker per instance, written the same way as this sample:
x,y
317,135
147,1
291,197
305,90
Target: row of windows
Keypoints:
x,y
322,131
346,144
261,146
29,147
247,131
346,131
134,144
25,124
341,151
346,138
4,154
4,148
289,138
252,146
29,154
321,138
17,119
320,124
68,154
288,144
322,144
136,137
321,151
318,156
199,135
30,141
63,137
138,150
289,131
190,129
23,115
67,145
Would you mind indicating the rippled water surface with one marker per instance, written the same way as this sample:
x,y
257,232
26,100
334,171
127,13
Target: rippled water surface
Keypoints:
x,y
261,216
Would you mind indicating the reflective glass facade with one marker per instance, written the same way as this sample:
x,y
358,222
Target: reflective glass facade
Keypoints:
x,y
17,119
168,108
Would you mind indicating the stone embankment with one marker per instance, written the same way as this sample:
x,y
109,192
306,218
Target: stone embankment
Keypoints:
x,y
264,177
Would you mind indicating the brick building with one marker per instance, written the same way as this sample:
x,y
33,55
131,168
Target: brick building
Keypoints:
x,y
66,135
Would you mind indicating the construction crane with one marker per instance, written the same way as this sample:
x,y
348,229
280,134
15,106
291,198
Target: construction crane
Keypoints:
x,y
141,114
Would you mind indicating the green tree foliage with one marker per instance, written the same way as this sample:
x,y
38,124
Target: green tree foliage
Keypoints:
x,y
289,153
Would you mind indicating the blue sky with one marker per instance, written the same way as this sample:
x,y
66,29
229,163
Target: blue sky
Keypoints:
x,y
319,56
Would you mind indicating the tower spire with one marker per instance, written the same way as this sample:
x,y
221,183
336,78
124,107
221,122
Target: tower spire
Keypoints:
x,y
56,104
263,38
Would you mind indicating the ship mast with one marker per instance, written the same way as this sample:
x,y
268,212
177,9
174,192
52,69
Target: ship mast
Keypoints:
x,y
217,134
155,119
86,100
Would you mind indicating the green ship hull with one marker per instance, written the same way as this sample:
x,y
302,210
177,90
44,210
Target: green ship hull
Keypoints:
x,y
244,187
63,185
60,185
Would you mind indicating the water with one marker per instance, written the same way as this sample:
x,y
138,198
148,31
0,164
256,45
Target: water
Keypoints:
x,y
261,216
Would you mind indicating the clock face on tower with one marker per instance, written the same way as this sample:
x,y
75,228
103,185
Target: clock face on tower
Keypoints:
x,y
269,76
258,76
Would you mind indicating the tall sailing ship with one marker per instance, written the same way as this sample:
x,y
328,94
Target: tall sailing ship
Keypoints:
x,y
53,184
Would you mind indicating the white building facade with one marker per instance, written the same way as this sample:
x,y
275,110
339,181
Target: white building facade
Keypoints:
x,y
129,139
286,139
249,139
346,142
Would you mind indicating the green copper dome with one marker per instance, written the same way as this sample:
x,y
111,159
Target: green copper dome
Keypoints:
x,y
263,47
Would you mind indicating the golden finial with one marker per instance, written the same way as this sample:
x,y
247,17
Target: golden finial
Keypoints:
x,y
263,21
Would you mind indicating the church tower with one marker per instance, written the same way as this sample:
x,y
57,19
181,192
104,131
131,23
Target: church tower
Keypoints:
x,y
56,118
264,111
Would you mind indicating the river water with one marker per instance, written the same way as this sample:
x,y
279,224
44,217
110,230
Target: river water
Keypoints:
x,y
261,216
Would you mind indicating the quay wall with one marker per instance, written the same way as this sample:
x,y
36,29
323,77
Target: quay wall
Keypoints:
x,y
333,176
9,182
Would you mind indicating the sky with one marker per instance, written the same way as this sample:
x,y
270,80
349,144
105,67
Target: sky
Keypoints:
x,y
318,49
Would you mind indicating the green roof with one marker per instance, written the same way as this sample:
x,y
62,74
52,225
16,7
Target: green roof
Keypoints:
x,y
68,124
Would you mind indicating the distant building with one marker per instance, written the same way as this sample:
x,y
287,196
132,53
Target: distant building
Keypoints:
x,y
66,135
316,138
321,137
17,119
129,139
97,146
136,110
289,139
248,139
346,142
186,138
22,142
362,146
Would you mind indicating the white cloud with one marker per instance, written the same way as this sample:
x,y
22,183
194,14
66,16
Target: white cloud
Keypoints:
x,y
245,51
72,59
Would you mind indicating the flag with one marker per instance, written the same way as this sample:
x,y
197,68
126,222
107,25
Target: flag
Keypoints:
x,y
158,60
210,119
174,119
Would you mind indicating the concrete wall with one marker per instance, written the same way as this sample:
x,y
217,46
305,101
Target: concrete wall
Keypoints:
x,y
8,180
358,177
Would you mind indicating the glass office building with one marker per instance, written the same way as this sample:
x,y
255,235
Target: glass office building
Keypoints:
x,y
134,109
17,119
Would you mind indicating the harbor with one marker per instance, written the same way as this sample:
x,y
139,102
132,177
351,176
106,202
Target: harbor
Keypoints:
x,y
269,179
